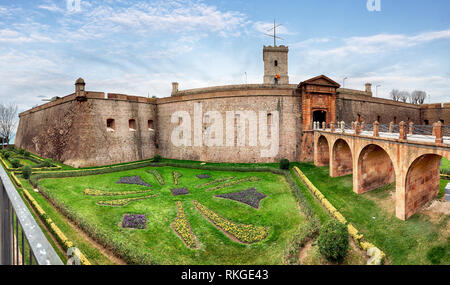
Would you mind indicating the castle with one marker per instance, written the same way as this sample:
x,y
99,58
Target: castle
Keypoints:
x,y
93,128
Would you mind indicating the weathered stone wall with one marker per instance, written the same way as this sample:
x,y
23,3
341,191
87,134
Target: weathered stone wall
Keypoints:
x,y
435,112
348,106
245,98
75,132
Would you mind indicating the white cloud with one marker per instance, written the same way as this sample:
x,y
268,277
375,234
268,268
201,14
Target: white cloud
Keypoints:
x,y
381,43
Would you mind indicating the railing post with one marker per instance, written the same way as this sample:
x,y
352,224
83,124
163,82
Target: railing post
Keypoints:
x,y
411,128
437,128
332,127
391,127
363,125
5,228
376,129
402,135
357,128
324,126
342,126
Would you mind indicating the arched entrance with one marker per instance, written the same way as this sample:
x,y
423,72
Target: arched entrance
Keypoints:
x,y
320,116
375,169
342,159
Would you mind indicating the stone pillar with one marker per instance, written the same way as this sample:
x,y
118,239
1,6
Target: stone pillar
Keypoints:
x,y
391,127
342,126
411,128
324,126
403,135
357,128
332,127
437,127
376,129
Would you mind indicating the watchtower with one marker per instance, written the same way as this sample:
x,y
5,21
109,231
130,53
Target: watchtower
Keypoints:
x,y
276,63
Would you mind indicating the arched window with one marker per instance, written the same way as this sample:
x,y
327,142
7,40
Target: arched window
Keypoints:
x,y
269,119
150,125
132,124
379,119
276,63
110,125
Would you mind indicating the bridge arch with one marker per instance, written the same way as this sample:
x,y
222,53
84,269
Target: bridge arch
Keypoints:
x,y
375,168
342,158
422,182
322,156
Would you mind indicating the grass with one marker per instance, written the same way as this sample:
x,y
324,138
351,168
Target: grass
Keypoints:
x,y
445,164
85,246
404,242
278,211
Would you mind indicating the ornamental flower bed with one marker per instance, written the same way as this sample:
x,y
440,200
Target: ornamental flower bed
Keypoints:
x,y
234,182
123,202
134,221
157,175
183,229
94,192
250,197
179,191
218,180
243,233
176,175
203,176
133,180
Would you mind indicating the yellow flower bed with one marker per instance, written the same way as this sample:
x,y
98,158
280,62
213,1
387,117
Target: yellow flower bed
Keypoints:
x,y
60,236
234,182
244,233
94,192
123,202
376,255
183,228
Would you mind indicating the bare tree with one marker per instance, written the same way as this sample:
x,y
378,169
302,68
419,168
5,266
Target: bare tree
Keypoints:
x,y
8,115
395,94
418,97
403,96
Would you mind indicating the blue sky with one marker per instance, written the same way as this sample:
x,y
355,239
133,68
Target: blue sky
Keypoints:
x,y
140,47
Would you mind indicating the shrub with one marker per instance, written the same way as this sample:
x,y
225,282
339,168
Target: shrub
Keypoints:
x,y
436,254
21,151
157,158
333,241
26,172
6,154
284,163
11,148
46,163
27,154
15,163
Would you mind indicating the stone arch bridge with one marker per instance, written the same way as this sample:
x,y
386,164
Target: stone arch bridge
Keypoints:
x,y
379,158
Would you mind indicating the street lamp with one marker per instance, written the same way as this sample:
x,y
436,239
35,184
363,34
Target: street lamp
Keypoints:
x,y
377,90
343,82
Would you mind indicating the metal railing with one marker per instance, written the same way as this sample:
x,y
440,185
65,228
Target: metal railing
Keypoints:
x,y
22,241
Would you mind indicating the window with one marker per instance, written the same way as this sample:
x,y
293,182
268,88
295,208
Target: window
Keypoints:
x,y
426,122
379,119
150,125
276,63
132,125
110,125
395,120
442,121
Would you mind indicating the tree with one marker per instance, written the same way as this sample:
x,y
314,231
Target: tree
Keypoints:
x,y
8,115
418,97
404,96
395,94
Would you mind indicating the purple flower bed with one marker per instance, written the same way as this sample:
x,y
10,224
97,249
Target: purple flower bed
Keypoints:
x,y
179,191
134,221
203,176
250,197
133,180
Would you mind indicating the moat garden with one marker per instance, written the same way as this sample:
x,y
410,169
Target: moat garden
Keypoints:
x,y
186,212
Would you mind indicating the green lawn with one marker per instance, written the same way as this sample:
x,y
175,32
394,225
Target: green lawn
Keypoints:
x,y
404,242
158,243
445,163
